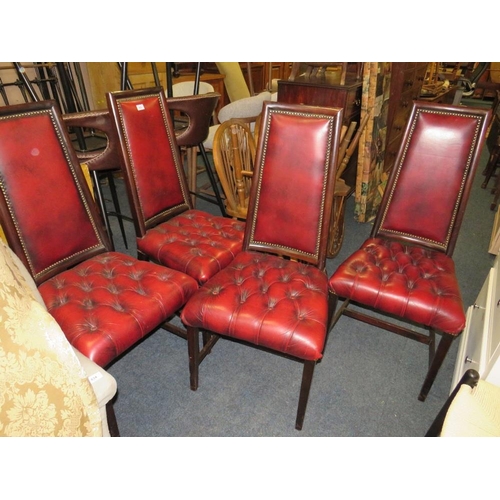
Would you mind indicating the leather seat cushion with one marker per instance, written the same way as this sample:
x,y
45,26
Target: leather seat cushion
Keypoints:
x,y
407,281
195,242
267,301
106,304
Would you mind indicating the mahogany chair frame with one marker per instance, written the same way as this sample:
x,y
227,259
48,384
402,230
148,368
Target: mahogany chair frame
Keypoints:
x,y
416,236
304,249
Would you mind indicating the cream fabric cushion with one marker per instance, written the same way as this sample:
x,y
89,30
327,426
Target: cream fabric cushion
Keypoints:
x,y
474,412
44,390
248,107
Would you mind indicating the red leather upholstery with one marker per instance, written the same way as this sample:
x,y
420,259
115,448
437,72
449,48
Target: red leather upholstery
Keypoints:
x,y
297,187
195,243
43,202
267,301
263,297
432,178
405,269
198,243
108,303
105,302
411,282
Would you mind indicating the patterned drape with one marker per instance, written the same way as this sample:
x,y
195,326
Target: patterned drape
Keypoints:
x,y
370,179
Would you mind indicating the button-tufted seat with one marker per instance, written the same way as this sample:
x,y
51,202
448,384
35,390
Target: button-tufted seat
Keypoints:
x,y
405,269
274,294
104,301
411,282
194,242
169,231
113,290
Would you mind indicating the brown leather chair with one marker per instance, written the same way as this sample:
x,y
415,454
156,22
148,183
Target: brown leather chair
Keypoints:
x,y
105,302
274,295
169,231
102,163
405,269
198,110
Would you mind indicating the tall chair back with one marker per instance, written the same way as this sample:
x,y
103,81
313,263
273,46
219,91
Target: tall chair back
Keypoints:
x,y
104,301
294,176
169,231
429,186
405,271
49,218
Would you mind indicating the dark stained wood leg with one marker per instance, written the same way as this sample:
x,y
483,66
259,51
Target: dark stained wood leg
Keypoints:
x,y
307,376
112,423
194,355
442,350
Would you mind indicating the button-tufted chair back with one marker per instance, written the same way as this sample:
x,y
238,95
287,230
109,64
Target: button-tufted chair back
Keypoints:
x,y
405,268
169,231
274,295
104,301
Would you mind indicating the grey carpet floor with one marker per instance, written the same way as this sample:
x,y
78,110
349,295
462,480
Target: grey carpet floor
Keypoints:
x,y
366,385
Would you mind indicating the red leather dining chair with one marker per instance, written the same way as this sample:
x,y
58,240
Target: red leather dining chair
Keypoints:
x,y
405,270
274,295
169,231
105,302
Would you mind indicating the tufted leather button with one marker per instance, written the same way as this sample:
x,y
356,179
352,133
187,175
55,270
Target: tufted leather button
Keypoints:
x,y
194,242
282,306
408,281
121,300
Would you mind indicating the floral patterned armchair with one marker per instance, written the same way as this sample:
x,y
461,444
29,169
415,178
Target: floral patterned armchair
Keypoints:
x,y
47,388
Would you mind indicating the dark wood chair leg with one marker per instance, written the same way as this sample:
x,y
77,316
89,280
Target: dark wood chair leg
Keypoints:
x,y
437,361
112,423
307,376
194,355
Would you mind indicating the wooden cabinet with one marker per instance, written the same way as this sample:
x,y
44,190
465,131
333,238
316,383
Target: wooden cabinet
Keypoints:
x,y
479,346
407,79
346,96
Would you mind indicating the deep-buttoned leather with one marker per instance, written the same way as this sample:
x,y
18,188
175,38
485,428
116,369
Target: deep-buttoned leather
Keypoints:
x,y
268,301
194,242
168,229
407,281
108,303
